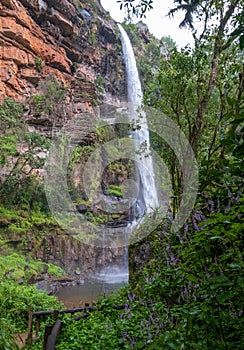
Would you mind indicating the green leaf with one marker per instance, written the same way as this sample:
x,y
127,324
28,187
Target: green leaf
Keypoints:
x,y
192,278
139,345
222,297
235,266
240,281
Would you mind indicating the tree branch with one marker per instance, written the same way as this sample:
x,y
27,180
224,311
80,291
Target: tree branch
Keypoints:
x,y
218,48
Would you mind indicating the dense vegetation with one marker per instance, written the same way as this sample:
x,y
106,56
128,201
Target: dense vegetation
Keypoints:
x,y
188,297
24,217
18,296
190,293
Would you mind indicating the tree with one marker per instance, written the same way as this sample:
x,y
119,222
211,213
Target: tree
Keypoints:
x,y
190,7
221,38
196,274
194,86
21,155
53,94
138,10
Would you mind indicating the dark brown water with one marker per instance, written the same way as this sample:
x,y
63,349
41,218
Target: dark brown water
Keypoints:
x,y
90,292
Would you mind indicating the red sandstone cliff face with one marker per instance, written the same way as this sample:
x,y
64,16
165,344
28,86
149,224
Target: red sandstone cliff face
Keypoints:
x,y
77,45
66,38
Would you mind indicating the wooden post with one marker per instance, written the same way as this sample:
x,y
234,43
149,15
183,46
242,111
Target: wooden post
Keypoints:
x,y
47,332
51,341
56,313
30,321
38,322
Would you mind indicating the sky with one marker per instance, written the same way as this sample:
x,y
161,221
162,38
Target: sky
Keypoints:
x,y
157,20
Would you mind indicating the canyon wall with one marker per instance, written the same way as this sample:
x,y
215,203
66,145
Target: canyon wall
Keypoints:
x,y
74,48
61,58
75,41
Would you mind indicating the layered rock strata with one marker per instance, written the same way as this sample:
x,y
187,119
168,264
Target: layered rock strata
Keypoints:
x,y
75,41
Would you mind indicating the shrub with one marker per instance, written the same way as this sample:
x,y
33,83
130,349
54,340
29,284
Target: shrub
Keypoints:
x,y
38,62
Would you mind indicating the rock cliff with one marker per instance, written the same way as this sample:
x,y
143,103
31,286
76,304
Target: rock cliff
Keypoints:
x,y
60,58
75,41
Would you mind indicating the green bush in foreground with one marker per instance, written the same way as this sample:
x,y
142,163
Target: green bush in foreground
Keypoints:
x,y
7,341
16,300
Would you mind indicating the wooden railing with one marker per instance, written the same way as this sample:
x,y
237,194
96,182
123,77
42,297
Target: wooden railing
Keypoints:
x,y
51,331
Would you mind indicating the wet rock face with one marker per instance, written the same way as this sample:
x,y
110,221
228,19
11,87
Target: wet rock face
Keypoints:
x,y
78,259
139,256
61,37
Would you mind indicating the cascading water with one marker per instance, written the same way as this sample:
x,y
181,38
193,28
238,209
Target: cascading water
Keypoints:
x,y
112,277
147,199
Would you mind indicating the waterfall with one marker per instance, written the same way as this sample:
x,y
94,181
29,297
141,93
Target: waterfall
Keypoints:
x,y
147,199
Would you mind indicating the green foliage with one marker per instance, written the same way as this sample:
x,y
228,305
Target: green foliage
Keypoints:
x,y
227,170
92,38
8,145
17,300
19,164
239,30
7,331
201,283
55,270
100,86
184,89
40,104
233,140
53,90
16,267
18,224
29,192
81,154
10,114
168,43
188,296
133,33
24,151
38,62
138,10
148,65
115,190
